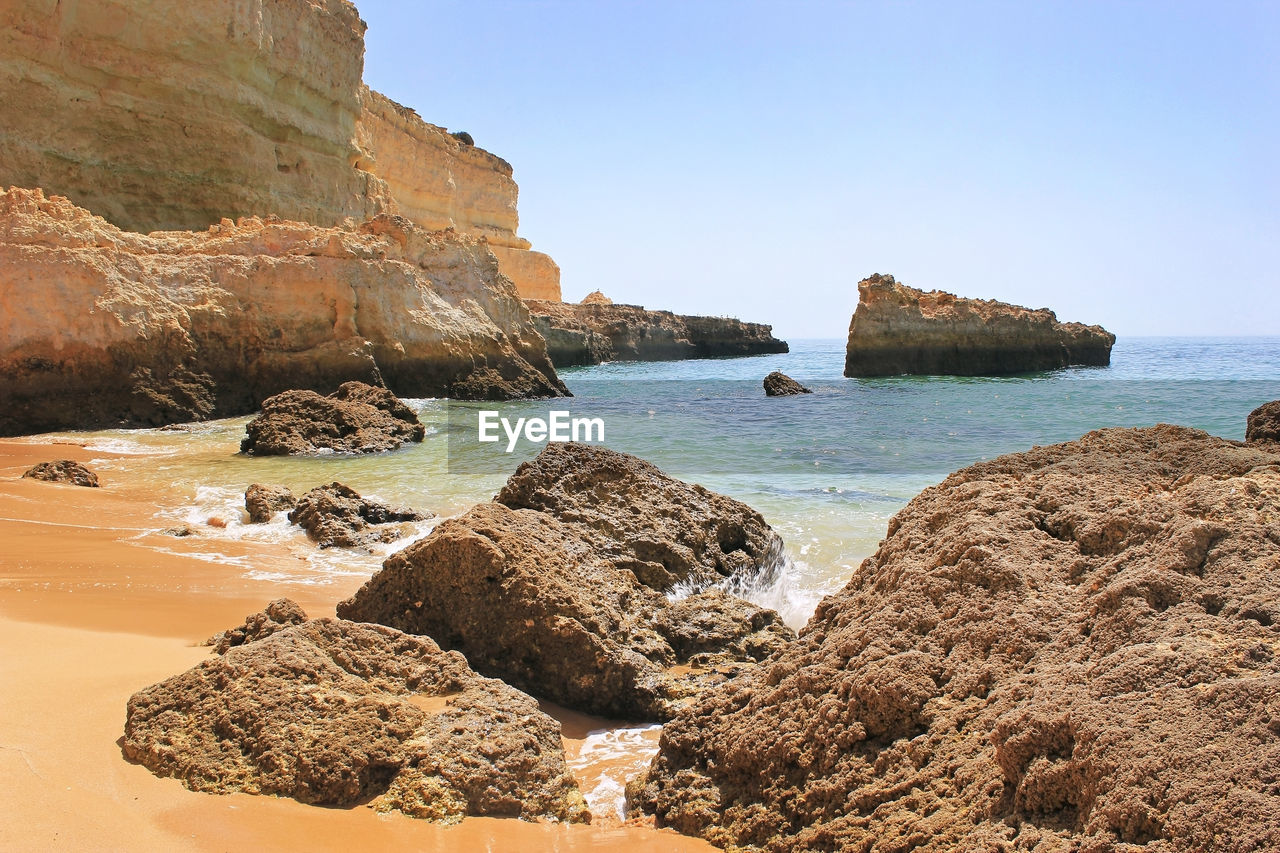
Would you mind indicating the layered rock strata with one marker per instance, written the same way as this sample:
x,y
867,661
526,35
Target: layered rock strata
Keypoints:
x,y
1069,648
101,327
595,332
357,418
558,586
900,330
338,714
166,115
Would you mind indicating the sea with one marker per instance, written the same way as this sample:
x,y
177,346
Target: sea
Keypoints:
x,y
827,470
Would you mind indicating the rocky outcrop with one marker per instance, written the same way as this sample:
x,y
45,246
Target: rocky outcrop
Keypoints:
x,y
779,384
100,327
1264,423
165,115
558,586
357,418
595,332
338,714
337,515
595,297
1069,648
898,330
62,471
278,615
263,502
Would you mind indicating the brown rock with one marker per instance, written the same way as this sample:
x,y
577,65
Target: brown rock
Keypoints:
x,y
595,297
897,329
334,713
779,384
277,616
336,515
1069,648
263,502
62,471
1264,423
357,418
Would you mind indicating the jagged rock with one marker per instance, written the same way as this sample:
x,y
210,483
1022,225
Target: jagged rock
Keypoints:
x,y
357,418
556,587
1069,648
263,502
595,332
595,297
337,714
779,384
1264,423
897,330
62,471
337,515
277,616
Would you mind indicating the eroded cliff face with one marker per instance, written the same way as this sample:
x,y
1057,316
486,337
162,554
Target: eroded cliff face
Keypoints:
x,y
900,330
161,114
594,332
100,326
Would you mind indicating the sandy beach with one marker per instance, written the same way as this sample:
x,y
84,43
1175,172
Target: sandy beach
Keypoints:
x,y
90,612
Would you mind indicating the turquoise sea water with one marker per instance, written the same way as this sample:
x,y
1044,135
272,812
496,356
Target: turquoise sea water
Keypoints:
x,y
827,470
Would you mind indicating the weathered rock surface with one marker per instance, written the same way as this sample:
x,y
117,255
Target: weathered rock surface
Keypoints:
x,y
596,332
337,714
595,297
897,329
100,327
278,615
337,515
168,115
1072,648
1264,423
555,588
779,384
263,502
62,471
357,418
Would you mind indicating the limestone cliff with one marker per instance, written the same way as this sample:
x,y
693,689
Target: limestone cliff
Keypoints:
x,y
100,326
162,114
897,329
591,333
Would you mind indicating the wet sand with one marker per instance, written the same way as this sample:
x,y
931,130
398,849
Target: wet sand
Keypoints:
x,y
91,611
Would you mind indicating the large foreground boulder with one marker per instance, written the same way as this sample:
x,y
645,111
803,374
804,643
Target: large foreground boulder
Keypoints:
x,y
1264,423
565,600
357,418
336,514
62,471
334,713
1073,648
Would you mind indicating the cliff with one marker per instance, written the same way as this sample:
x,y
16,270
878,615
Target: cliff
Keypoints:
x,y
100,326
897,329
164,115
591,333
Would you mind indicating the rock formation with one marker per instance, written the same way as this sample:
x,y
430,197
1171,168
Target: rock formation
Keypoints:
x,y
557,587
1264,423
357,418
100,327
595,297
897,329
263,502
166,115
337,515
1069,648
779,384
62,471
337,714
277,616
595,332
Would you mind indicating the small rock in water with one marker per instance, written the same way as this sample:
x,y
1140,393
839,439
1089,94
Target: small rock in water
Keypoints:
x,y
63,471
779,384
215,521
337,515
263,502
357,418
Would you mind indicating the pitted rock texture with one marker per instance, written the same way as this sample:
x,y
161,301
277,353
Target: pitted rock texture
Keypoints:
x,y
1073,648
338,714
337,515
101,327
1264,423
62,471
595,332
357,418
263,502
779,384
277,616
897,330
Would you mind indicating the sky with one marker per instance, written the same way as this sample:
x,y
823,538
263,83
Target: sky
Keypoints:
x,y
1114,161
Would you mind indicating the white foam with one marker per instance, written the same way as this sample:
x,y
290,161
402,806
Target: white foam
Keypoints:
x,y
628,752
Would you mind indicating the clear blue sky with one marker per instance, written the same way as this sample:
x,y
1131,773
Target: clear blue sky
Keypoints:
x,y
1114,161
